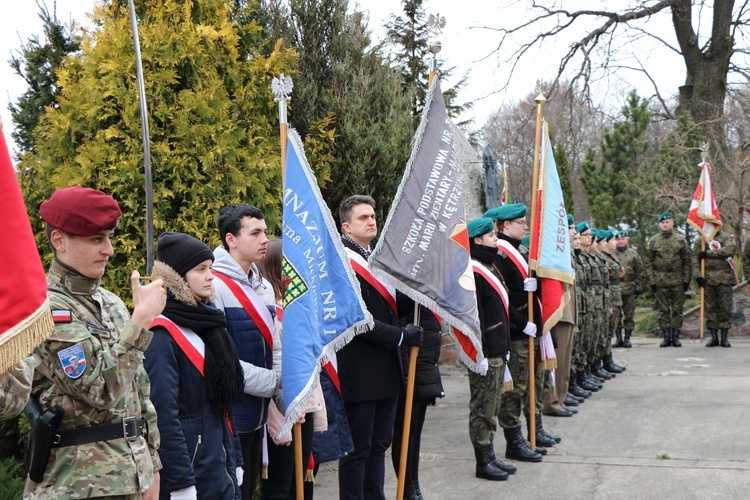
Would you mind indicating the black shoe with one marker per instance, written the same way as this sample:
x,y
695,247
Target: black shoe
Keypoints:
x,y
541,450
714,339
626,341
584,383
577,399
569,401
618,342
676,338
485,467
577,390
509,468
598,371
666,334
517,448
609,364
418,491
571,410
725,338
562,412
541,431
410,493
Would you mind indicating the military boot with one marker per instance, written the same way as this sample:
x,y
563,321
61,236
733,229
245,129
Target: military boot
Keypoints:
x,y
676,338
485,467
618,342
541,438
576,389
410,492
610,365
509,468
714,338
724,338
540,428
584,383
626,342
593,378
667,334
517,448
600,372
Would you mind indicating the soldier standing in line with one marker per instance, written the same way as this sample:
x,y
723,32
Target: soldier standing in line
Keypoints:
x,y
594,304
92,364
746,260
582,288
603,312
615,271
631,286
717,284
668,269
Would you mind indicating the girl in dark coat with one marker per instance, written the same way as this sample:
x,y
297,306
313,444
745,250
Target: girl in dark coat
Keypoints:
x,y
195,378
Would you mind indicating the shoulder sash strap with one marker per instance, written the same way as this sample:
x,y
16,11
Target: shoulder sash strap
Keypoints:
x,y
493,280
186,339
515,256
359,264
253,306
332,371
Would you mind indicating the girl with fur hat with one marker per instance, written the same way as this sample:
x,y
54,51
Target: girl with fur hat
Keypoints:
x,y
196,377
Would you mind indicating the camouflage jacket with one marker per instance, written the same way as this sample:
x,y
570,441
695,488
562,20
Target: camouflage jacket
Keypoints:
x,y
718,271
746,260
15,388
615,271
596,279
92,367
582,286
668,260
631,282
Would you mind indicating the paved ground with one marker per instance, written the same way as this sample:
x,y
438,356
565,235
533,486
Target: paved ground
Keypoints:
x,y
673,426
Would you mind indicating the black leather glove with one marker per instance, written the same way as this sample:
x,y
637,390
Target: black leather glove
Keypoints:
x,y
701,281
703,254
685,287
653,288
412,335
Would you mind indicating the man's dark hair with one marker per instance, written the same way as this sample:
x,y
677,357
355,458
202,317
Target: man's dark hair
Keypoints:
x,y
230,219
345,209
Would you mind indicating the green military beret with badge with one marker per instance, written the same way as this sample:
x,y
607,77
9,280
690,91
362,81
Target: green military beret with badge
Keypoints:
x,y
506,212
665,216
582,227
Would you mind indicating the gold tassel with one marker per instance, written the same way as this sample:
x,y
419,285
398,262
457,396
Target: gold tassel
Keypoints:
x,y
507,387
309,476
264,472
22,339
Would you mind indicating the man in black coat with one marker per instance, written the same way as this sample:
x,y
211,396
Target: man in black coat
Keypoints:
x,y
370,368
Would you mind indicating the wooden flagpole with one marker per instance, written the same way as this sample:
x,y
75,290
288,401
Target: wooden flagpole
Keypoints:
x,y
282,89
704,158
540,100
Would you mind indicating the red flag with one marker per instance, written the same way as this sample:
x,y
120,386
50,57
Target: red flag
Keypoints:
x,y
704,214
25,320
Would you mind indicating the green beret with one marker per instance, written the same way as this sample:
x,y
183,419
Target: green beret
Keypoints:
x,y
526,241
609,234
506,212
598,234
665,216
571,220
480,226
581,227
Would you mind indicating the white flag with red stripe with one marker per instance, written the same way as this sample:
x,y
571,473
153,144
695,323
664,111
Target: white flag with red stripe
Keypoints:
x,y
704,214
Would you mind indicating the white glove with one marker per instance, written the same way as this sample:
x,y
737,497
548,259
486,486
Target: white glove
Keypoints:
x,y
483,367
260,382
188,493
529,285
240,475
530,329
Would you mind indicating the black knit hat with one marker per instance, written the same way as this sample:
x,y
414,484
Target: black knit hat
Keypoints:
x,y
182,252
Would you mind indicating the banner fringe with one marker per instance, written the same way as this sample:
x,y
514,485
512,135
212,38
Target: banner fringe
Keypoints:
x,y
22,339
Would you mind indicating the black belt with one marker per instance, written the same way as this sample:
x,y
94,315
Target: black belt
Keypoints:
x,y
130,428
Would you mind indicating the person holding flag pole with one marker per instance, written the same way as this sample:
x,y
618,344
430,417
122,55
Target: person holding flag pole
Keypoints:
x,y
713,266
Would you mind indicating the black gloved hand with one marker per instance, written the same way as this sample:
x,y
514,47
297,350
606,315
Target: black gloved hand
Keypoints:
x,y
701,281
702,254
685,287
412,335
653,288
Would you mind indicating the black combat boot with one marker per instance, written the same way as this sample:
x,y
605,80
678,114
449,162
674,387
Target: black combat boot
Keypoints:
x,y
667,334
541,438
676,338
576,389
540,428
410,492
593,378
724,339
598,371
584,383
610,365
418,491
509,468
626,342
714,339
618,342
517,448
485,467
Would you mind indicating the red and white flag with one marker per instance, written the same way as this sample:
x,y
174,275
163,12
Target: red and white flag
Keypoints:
x,y
704,214
25,320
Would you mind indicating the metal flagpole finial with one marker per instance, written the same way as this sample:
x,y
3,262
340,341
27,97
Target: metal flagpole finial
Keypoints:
x,y
540,89
282,91
435,25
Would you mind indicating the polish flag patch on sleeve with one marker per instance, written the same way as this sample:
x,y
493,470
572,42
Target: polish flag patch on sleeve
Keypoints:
x,y
62,316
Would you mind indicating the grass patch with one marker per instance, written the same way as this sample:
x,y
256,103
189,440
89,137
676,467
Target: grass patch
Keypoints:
x,y
663,456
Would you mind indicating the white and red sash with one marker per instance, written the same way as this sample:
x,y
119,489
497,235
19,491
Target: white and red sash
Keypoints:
x,y
493,280
359,264
186,339
253,305
332,370
515,256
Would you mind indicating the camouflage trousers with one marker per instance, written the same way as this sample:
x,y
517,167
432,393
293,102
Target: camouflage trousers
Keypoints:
x,y
484,402
668,301
718,306
513,402
614,321
628,312
597,330
578,358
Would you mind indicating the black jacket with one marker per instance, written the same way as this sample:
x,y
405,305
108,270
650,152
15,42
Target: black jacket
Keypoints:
x,y
428,384
370,365
493,319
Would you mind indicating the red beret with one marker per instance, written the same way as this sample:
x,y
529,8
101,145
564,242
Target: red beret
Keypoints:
x,y
80,211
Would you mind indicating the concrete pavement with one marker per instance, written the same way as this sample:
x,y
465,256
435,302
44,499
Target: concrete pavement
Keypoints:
x,y
673,426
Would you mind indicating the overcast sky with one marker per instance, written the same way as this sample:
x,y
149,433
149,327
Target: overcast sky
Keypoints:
x,y
465,44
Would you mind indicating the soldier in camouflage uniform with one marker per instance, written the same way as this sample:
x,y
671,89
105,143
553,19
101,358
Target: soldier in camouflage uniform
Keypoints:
x,y
582,288
92,364
594,305
15,388
746,260
717,283
668,268
615,272
602,335
631,286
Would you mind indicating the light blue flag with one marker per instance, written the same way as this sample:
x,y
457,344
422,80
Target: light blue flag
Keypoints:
x,y
323,307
